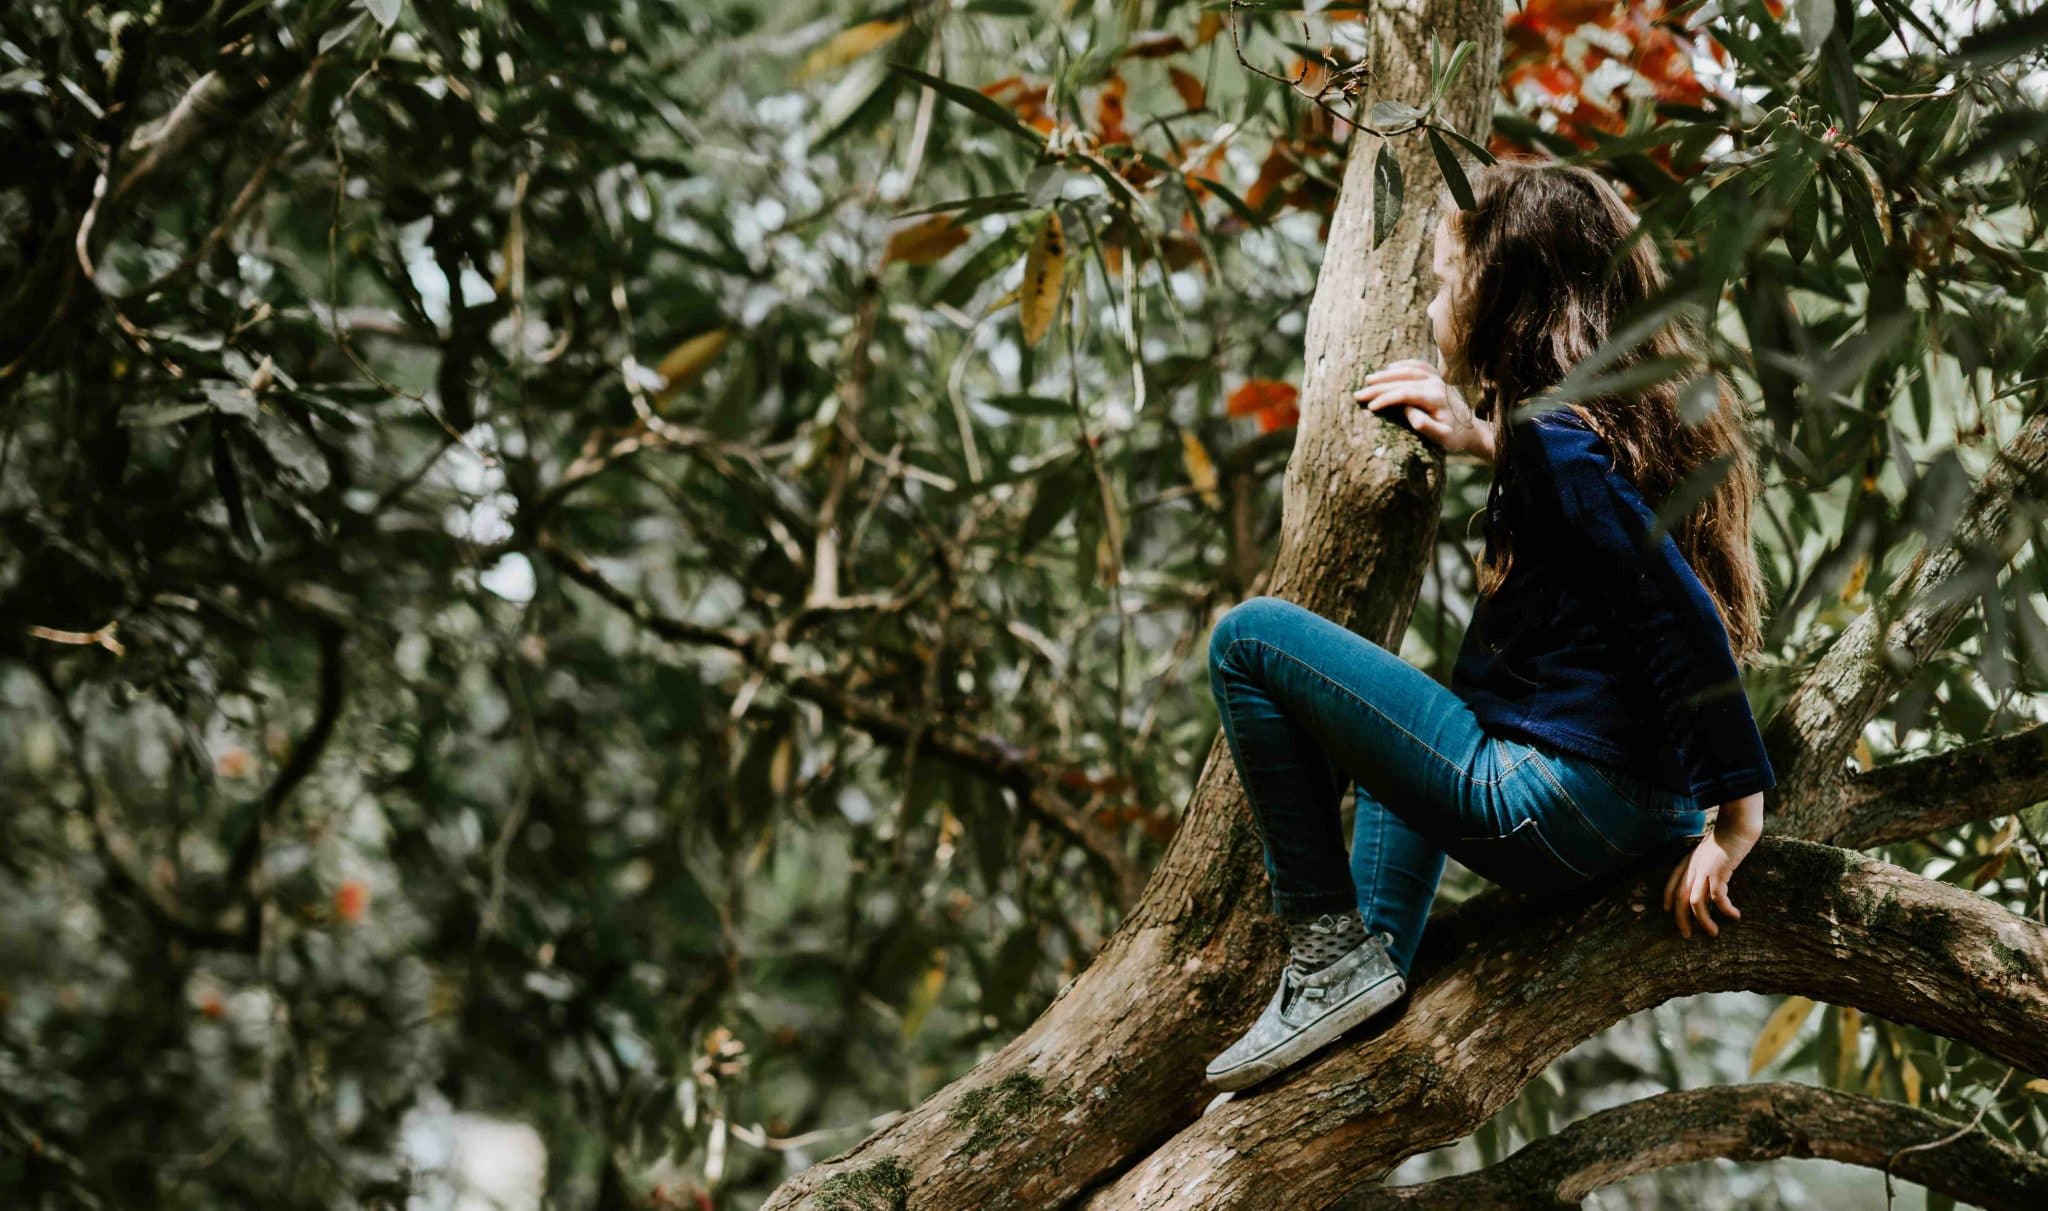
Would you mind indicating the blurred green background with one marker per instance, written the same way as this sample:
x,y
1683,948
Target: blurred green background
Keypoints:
x,y
595,598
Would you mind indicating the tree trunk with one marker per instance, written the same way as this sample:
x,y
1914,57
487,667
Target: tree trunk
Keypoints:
x,y
1100,1102
1114,1064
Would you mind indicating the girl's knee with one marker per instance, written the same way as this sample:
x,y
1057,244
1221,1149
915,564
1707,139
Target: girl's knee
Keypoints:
x,y
1251,616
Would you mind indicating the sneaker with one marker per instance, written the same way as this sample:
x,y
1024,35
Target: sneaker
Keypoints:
x,y
1307,1011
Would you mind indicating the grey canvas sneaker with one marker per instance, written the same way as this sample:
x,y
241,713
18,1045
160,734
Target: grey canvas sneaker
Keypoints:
x,y
1307,1011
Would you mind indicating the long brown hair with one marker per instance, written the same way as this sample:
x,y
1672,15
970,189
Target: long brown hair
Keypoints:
x,y
1547,267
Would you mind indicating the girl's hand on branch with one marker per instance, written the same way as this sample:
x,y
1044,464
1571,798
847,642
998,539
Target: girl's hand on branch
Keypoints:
x,y
1435,409
1700,881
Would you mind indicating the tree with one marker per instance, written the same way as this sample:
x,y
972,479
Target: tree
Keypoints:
x,y
1092,1104
635,570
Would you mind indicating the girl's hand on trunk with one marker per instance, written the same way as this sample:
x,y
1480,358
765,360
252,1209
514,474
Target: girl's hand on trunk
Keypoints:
x,y
1436,411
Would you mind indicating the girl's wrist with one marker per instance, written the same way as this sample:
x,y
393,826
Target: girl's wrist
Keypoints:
x,y
1741,819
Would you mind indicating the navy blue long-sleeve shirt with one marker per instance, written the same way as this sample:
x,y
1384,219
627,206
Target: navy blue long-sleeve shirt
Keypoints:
x,y
1597,642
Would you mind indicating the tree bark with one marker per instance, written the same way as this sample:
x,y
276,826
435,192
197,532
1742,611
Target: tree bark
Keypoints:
x,y
1763,1121
1114,1064
1504,986
1099,1102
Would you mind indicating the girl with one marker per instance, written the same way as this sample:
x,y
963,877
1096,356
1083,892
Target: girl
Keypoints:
x,y
1595,711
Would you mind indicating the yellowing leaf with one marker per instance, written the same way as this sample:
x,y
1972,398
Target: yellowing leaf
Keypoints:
x,y
1847,1037
1778,1031
1188,85
1864,758
1044,273
1014,294
924,994
923,242
782,764
1201,468
849,44
688,360
2037,1085
1854,584
1909,1076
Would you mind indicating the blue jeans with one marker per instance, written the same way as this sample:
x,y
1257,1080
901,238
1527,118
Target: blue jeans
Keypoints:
x,y
1307,705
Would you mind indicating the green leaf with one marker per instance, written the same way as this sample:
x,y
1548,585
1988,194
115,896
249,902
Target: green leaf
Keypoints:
x,y
1815,19
864,91
1392,114
1996,43
983,263
1031,405
1805,221
983,106
1691,492
1058,491
339,34
385,11
145,415
1454,174
1386,193
2003,132
1230,199
1623,381
1458,56
1478,153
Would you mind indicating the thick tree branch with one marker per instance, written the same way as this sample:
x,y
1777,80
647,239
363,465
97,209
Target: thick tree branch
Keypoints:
x,y
1811,735
1113,1065
1763,1121
1503,986
1922,795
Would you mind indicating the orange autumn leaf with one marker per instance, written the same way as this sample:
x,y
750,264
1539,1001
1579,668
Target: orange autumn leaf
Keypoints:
x,y
1188,85
1027,101
1109,112
1278,166
925,241
1273,402
351,901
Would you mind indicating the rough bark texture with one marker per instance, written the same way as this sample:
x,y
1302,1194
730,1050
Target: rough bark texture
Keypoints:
x,y
1764,1121
1114,1064
1503,986
1811,735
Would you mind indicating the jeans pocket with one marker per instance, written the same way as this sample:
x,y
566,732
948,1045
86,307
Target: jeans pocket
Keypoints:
x,y
1597,825
1521,859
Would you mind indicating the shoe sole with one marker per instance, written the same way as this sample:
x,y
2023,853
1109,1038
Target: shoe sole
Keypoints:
x,y
1282,1055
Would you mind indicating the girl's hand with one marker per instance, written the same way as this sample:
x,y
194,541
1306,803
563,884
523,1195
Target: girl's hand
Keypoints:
x,y
1436,410
1700,880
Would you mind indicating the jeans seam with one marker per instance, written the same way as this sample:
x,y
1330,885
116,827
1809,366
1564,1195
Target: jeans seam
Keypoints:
x,y
1535,826
1580,811
1379,839
1348,692
1297,901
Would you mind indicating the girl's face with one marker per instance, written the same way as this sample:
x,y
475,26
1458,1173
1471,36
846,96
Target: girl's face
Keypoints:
x,y
1444,263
